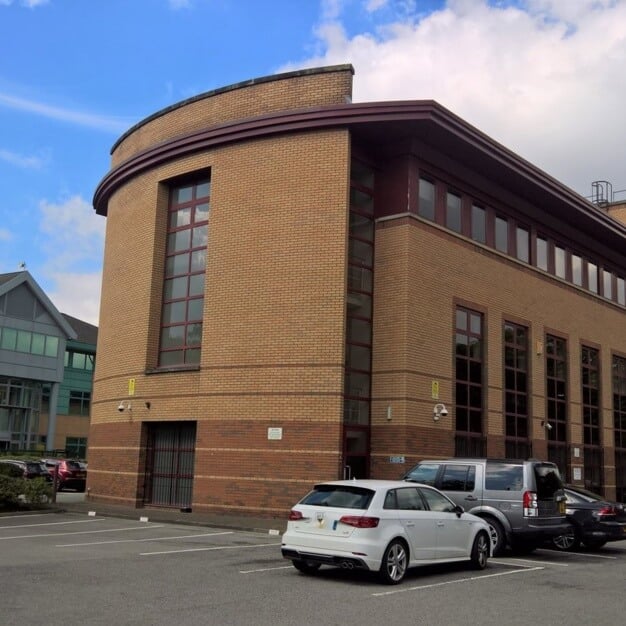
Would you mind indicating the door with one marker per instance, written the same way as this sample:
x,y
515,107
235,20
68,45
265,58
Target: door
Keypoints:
x,y
169,464
419,524
356,452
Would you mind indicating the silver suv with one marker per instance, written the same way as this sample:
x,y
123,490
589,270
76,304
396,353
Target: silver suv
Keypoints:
x,y
522,501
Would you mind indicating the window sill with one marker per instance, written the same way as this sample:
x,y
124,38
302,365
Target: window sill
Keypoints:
x,y
172,369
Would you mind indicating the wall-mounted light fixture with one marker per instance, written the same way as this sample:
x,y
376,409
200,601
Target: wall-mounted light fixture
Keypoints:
x,y
121,407
439,411
546,425
147,404
389,413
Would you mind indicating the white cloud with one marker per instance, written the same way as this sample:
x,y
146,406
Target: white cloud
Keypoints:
x,y
546,79
5,235
72,240
29,4
90,120
179,4
26,162
77,294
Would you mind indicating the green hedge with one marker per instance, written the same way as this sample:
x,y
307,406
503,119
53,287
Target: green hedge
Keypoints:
x,y
18,493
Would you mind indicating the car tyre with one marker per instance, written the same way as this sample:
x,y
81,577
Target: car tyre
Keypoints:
x,y
567,541
480,551
395,562
496,535
306,567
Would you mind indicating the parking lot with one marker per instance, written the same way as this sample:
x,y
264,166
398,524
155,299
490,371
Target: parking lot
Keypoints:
x,y
71,568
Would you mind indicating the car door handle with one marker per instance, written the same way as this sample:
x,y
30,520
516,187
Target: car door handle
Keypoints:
x,y
410,524
440,524
471,498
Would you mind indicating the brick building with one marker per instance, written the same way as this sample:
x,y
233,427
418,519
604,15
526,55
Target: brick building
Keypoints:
x,y
296,286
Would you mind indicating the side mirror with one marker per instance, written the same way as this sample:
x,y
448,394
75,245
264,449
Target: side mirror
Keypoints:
x,y
459,510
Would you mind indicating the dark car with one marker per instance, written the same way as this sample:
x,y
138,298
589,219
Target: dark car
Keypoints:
x,y
69,473
29,469
593,519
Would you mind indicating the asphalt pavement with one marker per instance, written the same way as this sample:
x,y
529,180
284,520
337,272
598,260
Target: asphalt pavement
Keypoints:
x,y
80,502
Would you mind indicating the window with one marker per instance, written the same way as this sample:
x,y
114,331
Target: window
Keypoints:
x,y
577,270
79,403
542,253
453,212
592,277
559,262
516,391
590,387
469,377
504,476
619,420
557,401
621,292
479,224
458,478
76,447
185,266
437,501
426,206
26,341
502,235
523,244
79,360
607,285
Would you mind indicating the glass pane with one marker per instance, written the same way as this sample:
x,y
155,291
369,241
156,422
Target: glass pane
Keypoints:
x,y
9,339
542,254
559,262
607,284
592,277
479,232
359,305
194,334
179,240
174,357
461,320
426,206
362,174
180,218
361,201
173,337
174,312
203,190
175,288
359,331
192,356
200,235
361,226
359,278
198,260
358,357
361,252
202,212
621,291
38,344
23,341
577,270
523,244
196,285
475,324
177,264
453,212
502,234
52,346
184,194
196,308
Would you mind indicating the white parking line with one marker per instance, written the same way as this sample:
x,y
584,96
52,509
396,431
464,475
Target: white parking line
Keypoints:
x,y
257,545
455,582
265,569
81,532
533,562
100,543
594,556
29,515
81,521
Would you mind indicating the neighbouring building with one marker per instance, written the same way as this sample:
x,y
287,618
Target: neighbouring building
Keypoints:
x,y
300,288
46,371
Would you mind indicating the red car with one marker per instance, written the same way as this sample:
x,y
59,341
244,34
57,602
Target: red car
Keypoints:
x,y
69,474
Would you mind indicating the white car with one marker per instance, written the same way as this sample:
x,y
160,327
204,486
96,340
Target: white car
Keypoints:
x,y
384,526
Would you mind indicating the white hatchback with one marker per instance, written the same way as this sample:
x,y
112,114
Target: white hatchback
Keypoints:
x,y
384,526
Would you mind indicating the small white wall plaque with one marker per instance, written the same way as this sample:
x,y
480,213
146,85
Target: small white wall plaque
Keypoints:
x,y
274,433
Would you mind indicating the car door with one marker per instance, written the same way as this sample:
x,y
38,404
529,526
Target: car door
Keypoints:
x,y
420,524
453,531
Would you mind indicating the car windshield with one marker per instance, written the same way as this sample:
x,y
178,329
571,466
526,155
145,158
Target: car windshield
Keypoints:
x,y
344,497
583,494
425,473
73,465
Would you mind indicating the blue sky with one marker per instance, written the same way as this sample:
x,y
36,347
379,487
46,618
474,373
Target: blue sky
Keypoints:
x,y
544,77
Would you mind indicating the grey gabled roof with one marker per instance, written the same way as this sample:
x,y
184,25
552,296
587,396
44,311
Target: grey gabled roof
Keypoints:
x,y
10,281
86,332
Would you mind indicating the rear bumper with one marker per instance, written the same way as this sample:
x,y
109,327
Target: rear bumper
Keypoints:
x,y
349,562
604,531
540,533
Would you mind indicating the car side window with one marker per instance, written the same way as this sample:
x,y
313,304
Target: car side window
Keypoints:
x,y
504,476
437,501
424,473
458,478
409,499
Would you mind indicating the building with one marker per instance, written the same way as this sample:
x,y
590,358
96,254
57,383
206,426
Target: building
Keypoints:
x,y
300,288
46,371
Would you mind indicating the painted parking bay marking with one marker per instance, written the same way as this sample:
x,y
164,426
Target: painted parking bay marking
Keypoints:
x,y
82,532
458,581
80,521
240,547
100,543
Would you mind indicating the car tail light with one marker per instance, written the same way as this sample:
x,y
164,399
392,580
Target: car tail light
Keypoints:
x,y
359,521
605,511
530,504
295,516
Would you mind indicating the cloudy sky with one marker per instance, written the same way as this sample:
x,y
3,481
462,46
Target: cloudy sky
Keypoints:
x,y
546,78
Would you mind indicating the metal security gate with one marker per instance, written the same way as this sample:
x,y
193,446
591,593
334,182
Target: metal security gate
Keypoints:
x,y
169,464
